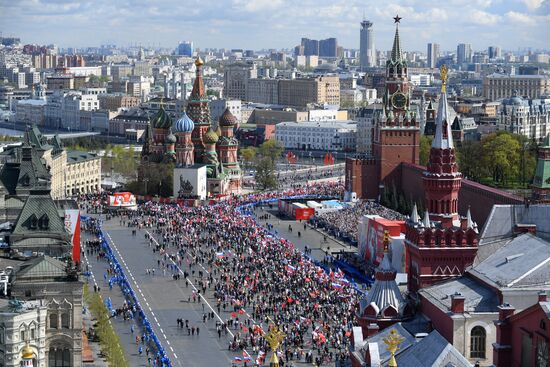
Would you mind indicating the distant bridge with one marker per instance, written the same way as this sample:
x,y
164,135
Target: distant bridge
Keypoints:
x,y
82,134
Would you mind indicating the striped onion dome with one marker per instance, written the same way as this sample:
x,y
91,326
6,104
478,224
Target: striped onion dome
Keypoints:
x,y
162,120
184,124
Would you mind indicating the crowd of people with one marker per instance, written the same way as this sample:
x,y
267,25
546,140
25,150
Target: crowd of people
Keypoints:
x,y
256,278
288,179
344,223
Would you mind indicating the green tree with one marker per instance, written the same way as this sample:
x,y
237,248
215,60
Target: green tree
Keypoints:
x,y
501,156
425,146
265,173
469,157
248,154
271,149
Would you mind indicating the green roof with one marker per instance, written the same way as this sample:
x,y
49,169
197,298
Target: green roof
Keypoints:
x,y
41,268
39,216
75,156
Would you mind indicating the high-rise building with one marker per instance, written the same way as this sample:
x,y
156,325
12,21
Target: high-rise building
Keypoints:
x,y
328,47
395,136
433,55
494,52
367,56
311,47
185,48
463,53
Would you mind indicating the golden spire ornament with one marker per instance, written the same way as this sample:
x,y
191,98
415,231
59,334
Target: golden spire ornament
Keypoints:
x,y
274,337
443,73
392,345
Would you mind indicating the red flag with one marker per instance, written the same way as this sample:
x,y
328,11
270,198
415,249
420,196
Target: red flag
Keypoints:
x,y
241,312
233,314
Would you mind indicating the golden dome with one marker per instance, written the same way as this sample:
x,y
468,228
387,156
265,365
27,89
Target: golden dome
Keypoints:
x,y
27,352
211,137
199,62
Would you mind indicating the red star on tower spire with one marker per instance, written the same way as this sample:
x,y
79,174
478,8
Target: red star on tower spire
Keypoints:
x,y
397,18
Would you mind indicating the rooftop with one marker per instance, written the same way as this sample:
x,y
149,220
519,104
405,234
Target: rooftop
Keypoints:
x,y
339,124
522,262
75,156
478,297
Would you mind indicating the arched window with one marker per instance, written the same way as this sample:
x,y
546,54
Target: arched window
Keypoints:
x,y
53,321
65,321
478,337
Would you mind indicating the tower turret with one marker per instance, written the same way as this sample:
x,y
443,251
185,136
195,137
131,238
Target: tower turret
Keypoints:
x,y
199,112
441,179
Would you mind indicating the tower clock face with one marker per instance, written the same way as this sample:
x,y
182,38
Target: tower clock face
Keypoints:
x,y
399,100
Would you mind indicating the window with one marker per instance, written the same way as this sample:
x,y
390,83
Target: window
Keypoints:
x,y
53,321
65,321
33,334
477,342
22,332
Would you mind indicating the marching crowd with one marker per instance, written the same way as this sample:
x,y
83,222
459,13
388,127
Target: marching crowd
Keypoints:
x,y
344,222
256,278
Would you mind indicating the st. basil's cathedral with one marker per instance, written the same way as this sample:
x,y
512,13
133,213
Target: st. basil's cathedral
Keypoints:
x,y
191,141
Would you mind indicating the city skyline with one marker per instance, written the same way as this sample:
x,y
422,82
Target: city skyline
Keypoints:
x,y
508,24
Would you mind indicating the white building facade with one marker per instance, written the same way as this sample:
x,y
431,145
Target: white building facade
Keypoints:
x,y
22,326
313,135
530,118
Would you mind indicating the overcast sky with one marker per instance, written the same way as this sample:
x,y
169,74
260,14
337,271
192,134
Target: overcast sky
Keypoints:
x,y
256,24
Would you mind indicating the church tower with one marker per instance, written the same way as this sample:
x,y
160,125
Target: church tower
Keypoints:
x,y
442,244
183,128
441,179
227,150
199,112
396,136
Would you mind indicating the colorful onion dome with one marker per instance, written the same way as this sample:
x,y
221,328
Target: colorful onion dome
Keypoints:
x,y
211,137
227,118
162,120
171,138
184,124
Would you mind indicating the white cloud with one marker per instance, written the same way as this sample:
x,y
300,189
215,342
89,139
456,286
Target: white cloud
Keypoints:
x,y
522,18
483,18
533,4
253,6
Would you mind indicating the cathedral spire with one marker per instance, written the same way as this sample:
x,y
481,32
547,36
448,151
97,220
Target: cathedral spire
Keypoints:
x,y
443,138
396,54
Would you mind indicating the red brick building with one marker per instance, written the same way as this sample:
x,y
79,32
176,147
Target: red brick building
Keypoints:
x,y
523,338
396,135
441,245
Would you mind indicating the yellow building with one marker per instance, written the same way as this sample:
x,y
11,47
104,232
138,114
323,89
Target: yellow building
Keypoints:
x,y
303,91
72,172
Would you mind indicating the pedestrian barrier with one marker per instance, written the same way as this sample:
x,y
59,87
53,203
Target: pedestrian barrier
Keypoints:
x,y
130,296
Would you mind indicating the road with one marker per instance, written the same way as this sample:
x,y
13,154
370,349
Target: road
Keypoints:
x,y
164,300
